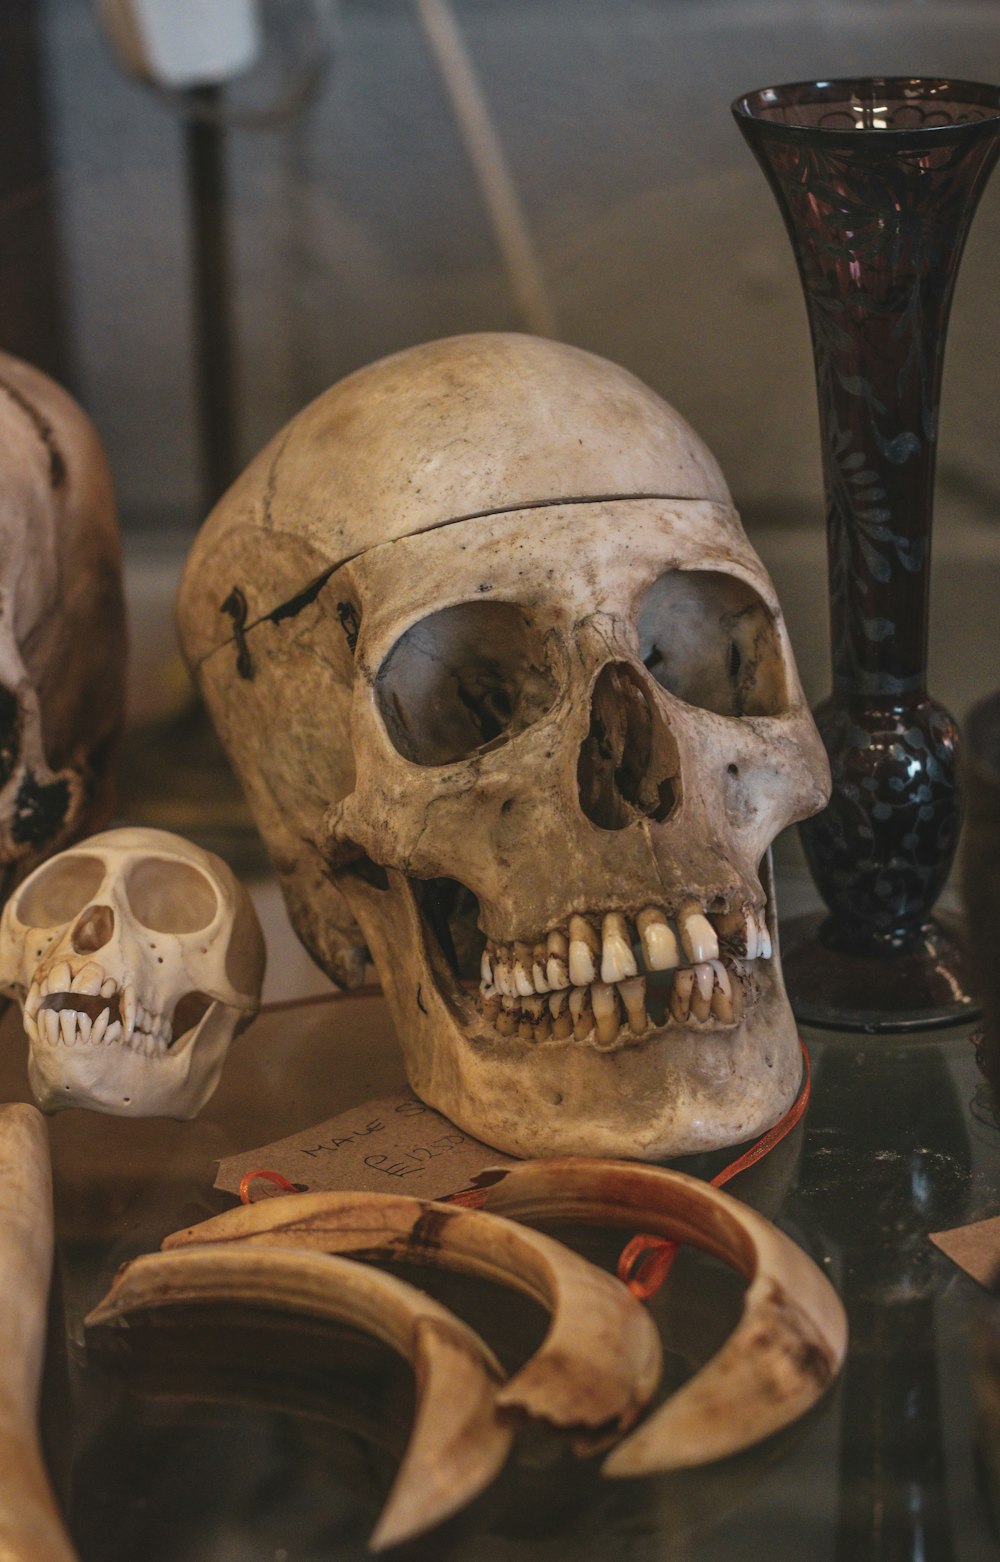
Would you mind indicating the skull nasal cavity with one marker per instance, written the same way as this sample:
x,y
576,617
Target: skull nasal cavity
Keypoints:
x,y
628,763
93,930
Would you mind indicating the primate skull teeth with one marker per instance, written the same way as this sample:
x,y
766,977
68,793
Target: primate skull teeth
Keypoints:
x,y
515,708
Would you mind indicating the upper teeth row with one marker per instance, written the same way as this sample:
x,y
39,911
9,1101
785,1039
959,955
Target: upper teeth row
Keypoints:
x,y
583,956
138,1027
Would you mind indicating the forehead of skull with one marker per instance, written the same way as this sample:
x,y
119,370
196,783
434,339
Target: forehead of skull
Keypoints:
x,y
446,431
66,884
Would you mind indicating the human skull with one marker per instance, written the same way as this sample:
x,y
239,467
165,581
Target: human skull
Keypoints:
x,y
136,958
62,638
510,692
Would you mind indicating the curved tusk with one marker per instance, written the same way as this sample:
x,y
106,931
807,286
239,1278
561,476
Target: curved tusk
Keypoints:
x,y
31,1528
786,1349
458,1444
600,1361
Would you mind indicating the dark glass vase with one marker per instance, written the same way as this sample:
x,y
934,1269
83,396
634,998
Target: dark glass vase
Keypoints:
x,y
877,181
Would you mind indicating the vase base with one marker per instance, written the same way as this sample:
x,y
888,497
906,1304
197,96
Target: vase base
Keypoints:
x,y
922,988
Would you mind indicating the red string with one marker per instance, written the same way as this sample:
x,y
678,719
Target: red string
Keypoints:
x,y
269,1176
646,1260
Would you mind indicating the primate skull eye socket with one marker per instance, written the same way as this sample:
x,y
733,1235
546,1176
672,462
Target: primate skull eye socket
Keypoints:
x,y
60,890
462,681
170,897
712,641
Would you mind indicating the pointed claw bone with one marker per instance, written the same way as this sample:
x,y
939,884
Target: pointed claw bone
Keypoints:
x,y
787,1347
598,1364
30,1527
458,1443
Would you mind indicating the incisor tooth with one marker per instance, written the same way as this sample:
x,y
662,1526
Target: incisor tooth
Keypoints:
x,y
722,1006
633,995
67,1025
51,1019
617,959
698,937
88,979
584,952
109,987
721,976
607,1011
705,978
659,946
680,994
701,1007
100,1026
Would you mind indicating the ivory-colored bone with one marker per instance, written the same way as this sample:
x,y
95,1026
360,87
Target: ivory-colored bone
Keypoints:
x,y
787,1347
597,1367
459,1442
31,1528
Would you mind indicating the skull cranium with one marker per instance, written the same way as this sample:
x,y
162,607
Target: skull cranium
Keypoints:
x,y
62,640
509,680
136,958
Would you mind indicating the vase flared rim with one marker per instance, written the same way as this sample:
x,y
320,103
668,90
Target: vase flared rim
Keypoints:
x,y
839,91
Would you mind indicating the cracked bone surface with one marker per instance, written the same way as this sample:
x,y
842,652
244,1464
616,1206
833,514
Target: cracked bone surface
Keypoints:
x,y
62,623
786,1349
519,683
459,1442
31,1528
600,1361
136,957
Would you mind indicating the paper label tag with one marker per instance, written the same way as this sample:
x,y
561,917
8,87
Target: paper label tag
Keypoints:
x,y
975,1248
391,1145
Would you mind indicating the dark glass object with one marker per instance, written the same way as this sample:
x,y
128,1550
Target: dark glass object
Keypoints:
x,y
877,181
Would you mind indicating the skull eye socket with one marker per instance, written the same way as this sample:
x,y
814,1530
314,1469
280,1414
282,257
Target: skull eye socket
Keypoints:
x,y
57,892
170,897
709,639
462,681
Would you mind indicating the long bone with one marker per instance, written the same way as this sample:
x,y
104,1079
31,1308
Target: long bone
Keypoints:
x,y
786,1349
459,1442
31,1528
600,1361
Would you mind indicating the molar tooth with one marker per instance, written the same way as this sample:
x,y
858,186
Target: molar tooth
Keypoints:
x,y
581,1012
60,977
705,978
617,959
503,975
67,1024
510,1013
607,1011
51,1019
88,979
538,973
698,937
633,995
109,987
659,946
534,1015
584,952
562,1019
680,994
100,1026
489,1002
522,970
557,964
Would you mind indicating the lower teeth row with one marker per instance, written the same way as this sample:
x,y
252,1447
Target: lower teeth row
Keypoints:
x,y
608,1012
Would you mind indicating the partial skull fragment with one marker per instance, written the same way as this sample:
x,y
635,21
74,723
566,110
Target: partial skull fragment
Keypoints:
x,y
513,703
62,623
136,958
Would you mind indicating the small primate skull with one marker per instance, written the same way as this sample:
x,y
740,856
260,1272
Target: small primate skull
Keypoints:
x,y
62,636
136,958
513,703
